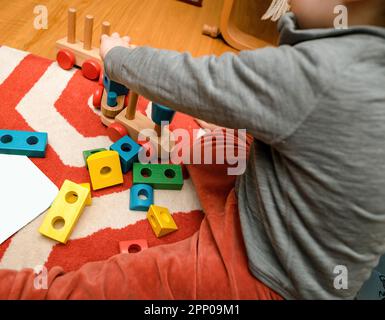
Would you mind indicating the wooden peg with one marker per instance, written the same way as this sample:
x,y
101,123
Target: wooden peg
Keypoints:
x,y
211,31
88,27
106,27
71,32
131,108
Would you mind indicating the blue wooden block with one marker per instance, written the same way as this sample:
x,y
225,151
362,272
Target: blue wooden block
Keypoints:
x,y
128,151
31,144
141,197
113,86
111,99
161,113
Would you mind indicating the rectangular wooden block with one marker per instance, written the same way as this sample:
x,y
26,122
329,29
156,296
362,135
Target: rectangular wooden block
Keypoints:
x,y
80,53
65,211
133,246
31,144
159,176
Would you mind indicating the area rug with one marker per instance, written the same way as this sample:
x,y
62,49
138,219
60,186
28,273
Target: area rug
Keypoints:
x,y
37,95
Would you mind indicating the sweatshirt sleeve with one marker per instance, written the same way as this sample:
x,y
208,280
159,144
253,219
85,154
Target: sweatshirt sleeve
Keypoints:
x,y
267,91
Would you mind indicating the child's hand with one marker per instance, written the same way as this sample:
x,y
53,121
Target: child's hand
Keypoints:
x,y
109,42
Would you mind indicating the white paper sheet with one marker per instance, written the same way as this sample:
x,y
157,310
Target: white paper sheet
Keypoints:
x,y
25,193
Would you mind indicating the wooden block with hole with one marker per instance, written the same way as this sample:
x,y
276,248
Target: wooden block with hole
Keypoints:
x,y
133,246
23,143
65,211
104,169
111,111
161,221
159,176
89,198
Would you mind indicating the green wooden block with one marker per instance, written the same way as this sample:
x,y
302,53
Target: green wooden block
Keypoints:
x,y
87,153
159,176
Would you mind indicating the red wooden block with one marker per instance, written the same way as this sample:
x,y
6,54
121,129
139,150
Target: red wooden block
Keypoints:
x,y
97,98
91,69
115,131
65,59
133,246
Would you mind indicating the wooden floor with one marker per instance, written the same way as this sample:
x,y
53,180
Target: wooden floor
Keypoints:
x,y
167,24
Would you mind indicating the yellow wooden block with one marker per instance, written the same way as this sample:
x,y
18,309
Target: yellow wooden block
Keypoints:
x,y
104,169
65,211
161,220
89,198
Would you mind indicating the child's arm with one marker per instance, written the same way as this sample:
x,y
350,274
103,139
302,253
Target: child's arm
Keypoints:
x,y
266,91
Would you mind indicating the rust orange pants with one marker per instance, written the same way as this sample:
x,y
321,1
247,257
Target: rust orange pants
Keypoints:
x,y
211,264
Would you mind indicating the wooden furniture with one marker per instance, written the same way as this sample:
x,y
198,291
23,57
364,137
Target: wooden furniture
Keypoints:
x,y
241,25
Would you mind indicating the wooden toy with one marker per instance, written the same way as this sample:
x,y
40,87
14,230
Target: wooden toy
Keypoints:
x,y
105,170
133,246
159,176
31,144
211,31
132,122
128,151
89,198
112,104
111,85
244,31
71,52
87,153
161,113
65,211
161,221
141,197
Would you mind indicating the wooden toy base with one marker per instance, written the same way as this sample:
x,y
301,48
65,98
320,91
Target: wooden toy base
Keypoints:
x,y
81,54
111,112
140,123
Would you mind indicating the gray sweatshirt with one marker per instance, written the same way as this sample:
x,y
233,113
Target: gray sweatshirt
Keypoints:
x,y
312,199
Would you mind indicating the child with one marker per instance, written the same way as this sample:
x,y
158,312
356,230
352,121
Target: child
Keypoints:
x,y
312,200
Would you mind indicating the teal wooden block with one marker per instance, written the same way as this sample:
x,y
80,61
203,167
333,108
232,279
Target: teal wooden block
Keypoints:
x,y
24,143
87,153
112,86
128,151
161,113
141,197
159,176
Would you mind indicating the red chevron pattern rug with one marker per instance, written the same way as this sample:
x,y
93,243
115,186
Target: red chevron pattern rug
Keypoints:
x,y
36,94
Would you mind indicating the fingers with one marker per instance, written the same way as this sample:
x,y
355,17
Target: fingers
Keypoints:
x,y
115,35
126,39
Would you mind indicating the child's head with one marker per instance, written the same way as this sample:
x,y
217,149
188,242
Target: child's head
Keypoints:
x,y
320,13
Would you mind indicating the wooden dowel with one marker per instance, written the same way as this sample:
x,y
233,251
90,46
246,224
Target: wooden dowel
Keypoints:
x,y
88,28
106,26
71,32
211,31
131,108
158,130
